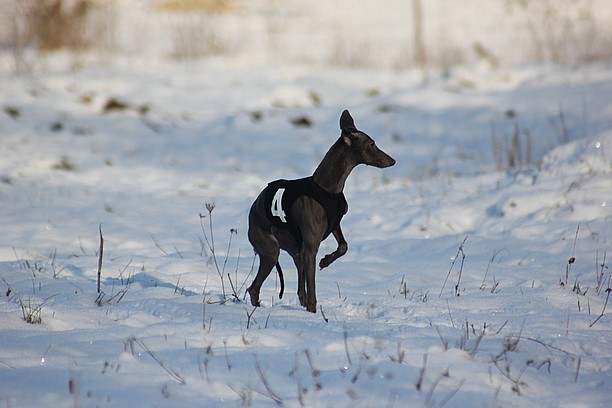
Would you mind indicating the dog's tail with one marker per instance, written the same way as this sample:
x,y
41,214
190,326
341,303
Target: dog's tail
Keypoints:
x,y
282,280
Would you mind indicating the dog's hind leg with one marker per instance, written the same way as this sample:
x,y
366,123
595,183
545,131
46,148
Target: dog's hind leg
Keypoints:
x,y
268,249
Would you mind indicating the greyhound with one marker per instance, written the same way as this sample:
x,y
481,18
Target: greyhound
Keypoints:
x,y
298,215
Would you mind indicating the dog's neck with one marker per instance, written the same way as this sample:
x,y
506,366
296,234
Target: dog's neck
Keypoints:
x,y
334,169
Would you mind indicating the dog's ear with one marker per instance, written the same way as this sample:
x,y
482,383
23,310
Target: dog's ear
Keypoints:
x,y
346,123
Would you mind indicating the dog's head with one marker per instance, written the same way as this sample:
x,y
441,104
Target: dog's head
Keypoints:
x,y
362,147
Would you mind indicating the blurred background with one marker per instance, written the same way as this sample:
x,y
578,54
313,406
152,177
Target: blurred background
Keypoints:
x,y
393,35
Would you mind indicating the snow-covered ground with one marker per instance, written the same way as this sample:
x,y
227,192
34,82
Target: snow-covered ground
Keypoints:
x,y
457,289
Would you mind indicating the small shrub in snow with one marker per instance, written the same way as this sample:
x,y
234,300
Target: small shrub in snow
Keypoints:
x,y
32,312
64,164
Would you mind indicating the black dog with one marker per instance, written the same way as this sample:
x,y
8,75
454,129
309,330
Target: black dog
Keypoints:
x,y
297,215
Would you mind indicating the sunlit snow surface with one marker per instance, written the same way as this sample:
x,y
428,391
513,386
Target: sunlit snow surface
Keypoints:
x,y
391,330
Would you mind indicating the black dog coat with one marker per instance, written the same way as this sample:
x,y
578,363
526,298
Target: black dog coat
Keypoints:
x,y
281,194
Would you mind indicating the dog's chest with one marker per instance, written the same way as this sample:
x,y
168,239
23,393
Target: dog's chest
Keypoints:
x,y
281,195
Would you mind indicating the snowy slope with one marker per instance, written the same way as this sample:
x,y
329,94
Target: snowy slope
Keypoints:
x,y
457,290
391,331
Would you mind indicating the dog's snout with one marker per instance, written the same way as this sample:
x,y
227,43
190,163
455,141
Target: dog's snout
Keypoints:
x,y
388,162
385,160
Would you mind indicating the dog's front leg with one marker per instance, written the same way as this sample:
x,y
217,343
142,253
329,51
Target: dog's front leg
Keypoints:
x,y
301,291
308,260
341,250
